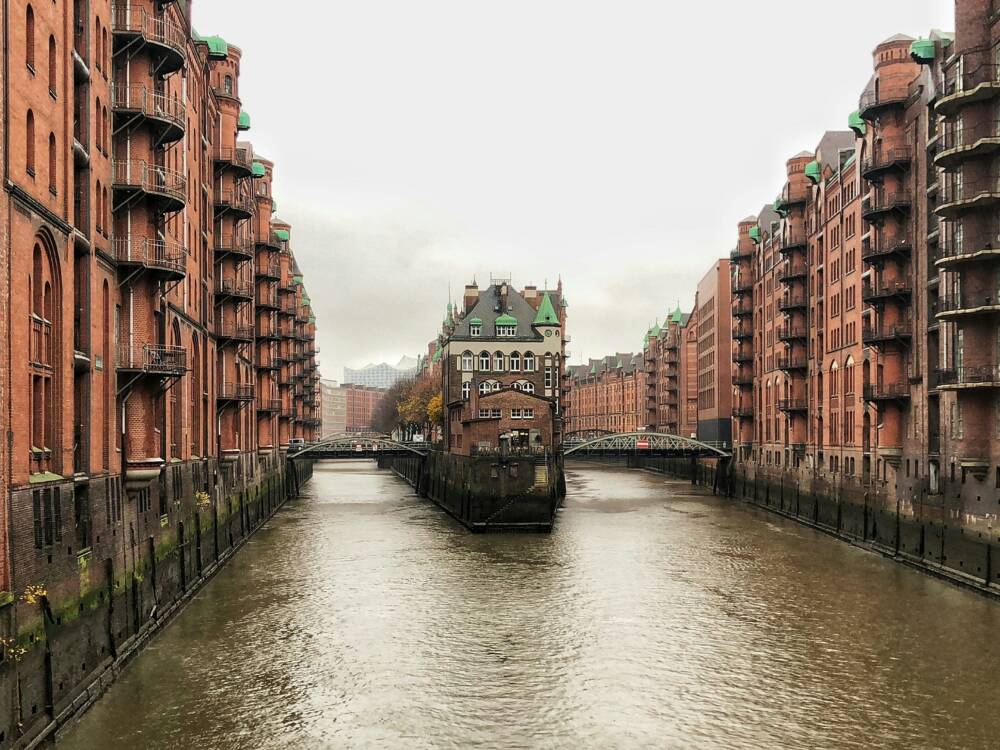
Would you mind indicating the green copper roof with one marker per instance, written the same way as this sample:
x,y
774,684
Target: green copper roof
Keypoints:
x,y
437,356
593,369
814,171
677,316
217,47
312,318
274,205
305,299
654,331
475,321
922,50
546,313
506,320
258,169
778,207
855,123
619,366
755,233
297,279
282,234
244,122
564,302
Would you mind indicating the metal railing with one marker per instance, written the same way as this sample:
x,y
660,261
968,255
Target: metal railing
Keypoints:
x,y
949,247
150,178
234,287
269,270
793,302
138,98
788,332
235,200
153,358
882,289
792,271
886,154
228,243
967,301
135,20
879,391
882,199
150,253
743,307
787,362
269,404
970,79
953,191
882,244
969,375
239,332
237,156
960,137
236,391
793,404
880,98
886,331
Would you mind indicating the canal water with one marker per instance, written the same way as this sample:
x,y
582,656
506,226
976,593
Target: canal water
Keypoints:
x,y
653,616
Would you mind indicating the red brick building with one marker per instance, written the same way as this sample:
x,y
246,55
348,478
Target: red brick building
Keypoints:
x,y
501,366
157,337
360,402
606,395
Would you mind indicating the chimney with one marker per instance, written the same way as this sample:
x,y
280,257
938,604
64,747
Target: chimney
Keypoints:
x,y
471,296
530,293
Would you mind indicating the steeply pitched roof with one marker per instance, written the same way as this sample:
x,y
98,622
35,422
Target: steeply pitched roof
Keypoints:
x,y
546,313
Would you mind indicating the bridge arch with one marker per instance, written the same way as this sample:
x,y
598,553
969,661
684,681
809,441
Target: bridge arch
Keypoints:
x,y
653,443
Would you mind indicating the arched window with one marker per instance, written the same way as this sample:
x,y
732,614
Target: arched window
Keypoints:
x,y
52,162
29,143
529,362
467,361
106,351
107,211
515,362
498,361
107,54
227,85
495,385
29,38
195,397
52,65
484,360
97,41
106,129
43,357
528,386
99,208
484,387
466,390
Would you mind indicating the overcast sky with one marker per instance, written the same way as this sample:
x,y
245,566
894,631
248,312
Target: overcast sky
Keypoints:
x,y
618,143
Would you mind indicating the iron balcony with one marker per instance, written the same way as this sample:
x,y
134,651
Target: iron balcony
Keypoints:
x,y
967,304
958,145
166,40
743,309
887,391
958,198
152,359
238,159
165,259
792,333
886,157
885,246
875,101
882,202
231,200
792,242
976,82
881,333
886,290
966,376
228,244
742,334
972,250
134,178
230,287
235,392
792,362
793,404
793,302
135,103
743,412
793,271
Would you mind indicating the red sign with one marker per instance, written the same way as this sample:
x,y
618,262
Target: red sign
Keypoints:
x,y
641,443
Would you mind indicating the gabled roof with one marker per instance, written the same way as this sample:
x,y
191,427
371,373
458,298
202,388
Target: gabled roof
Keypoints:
x,y
487,310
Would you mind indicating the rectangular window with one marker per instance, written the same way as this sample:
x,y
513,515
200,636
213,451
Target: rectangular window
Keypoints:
x,y
528,414
496,413
515,413
475,330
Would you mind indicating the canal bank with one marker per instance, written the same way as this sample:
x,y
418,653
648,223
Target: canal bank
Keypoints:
x,y
923,532
655,614
76,630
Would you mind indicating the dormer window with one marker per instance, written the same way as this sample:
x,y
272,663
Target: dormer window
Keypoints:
x,y
475,330
506,331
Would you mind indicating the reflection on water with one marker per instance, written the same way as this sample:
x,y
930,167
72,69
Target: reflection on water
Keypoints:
x,y
653,615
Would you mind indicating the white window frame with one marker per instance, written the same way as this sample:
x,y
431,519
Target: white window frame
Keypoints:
x,y
475,330
506,331
498,362
496,413
467,361
515,413
484,387
529,362
515,362
484,361
466,390
528,413
527,386
495,385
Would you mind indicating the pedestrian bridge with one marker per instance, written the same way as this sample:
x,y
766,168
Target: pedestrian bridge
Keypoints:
x,y
643,443
347,446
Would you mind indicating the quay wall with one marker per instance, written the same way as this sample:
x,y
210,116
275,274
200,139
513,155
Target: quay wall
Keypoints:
x,y
78,615
485,493
937,533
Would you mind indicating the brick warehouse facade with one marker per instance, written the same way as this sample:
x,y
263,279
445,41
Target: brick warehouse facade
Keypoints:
x,y
158,340
681,383
865,315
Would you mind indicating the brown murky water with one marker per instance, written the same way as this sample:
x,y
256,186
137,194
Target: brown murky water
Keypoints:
x,y
362,616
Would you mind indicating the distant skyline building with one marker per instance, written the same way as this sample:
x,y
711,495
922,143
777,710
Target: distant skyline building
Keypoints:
x,y
382,375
